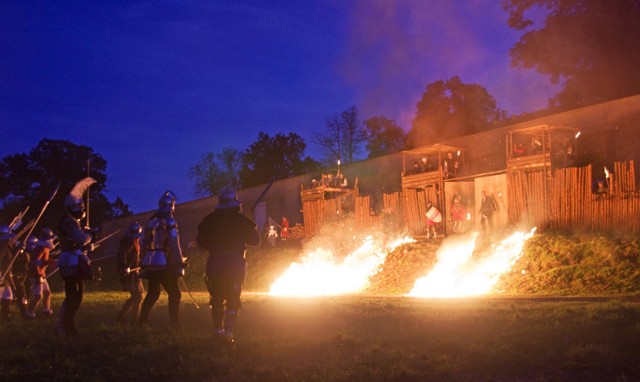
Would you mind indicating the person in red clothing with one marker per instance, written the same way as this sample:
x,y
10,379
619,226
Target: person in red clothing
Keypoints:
x,y
128,263
458,214
284,231
37,274
433,219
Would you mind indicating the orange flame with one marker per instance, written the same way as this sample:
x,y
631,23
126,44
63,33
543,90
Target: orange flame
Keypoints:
x,y
320,273
456,275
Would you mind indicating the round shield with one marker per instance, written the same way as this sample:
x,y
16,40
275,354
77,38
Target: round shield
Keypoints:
x,y
434,215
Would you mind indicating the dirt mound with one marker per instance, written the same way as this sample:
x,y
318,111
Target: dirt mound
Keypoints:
x,y
403,267
553,264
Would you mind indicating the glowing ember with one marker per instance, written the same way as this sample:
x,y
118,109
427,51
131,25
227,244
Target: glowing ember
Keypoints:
x,y
456,275
320,273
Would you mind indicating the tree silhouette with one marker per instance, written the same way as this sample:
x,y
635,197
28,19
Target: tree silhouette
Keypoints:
x,y
29,179
591,46
383,136
216,171
342,138
272,158
450,109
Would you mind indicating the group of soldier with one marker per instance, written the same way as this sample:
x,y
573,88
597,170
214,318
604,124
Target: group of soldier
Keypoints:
x,y
225,234
27,284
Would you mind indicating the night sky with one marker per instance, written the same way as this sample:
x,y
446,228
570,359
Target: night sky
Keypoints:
x,y
153,85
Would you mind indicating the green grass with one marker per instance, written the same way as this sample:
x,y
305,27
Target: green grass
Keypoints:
x,y
339,339
366,338
577,263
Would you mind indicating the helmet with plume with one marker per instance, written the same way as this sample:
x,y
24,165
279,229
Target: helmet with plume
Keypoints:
x,y
73,202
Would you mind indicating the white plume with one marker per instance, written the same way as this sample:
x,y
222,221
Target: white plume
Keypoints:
x,y
81,187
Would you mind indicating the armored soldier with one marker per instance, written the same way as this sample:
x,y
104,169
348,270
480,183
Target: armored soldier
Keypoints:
x,y
163,263
40,260
7,248
20,270
73,262
128,266
225,234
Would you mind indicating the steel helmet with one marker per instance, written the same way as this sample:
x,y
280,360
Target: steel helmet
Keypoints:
x,y
227,199
32,240
167,202
5,232
135,230
75,206
46,238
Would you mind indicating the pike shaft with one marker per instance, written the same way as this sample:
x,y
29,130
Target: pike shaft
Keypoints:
x,y
184,285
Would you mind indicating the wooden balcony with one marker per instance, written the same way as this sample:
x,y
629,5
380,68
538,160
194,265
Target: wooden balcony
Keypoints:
x,y
421,180
533,162
323,193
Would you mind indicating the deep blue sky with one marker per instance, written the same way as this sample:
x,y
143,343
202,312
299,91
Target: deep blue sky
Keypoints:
x,y
153,85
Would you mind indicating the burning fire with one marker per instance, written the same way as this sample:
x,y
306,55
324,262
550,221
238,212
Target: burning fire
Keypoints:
x,y
458,275
321,273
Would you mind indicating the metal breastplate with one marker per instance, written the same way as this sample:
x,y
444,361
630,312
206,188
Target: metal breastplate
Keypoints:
x,y
156,257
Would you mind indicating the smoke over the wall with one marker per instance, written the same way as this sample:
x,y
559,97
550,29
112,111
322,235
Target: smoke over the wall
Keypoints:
x,y
394,49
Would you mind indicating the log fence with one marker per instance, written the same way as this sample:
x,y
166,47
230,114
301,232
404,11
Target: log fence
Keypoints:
x,y
561,199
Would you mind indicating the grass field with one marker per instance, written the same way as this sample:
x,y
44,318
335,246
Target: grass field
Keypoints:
x,y
339,339
376,336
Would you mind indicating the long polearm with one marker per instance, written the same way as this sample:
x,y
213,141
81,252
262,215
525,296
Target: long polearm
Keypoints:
x,y
23,231
193,299
46,204
88,192
17,221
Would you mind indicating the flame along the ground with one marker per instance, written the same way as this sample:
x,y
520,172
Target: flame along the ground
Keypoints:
x,y
457,273
321,273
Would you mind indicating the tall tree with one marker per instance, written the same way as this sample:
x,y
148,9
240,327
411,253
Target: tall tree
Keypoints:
x,y
450,109
383,136
119,209
277,157
216,171
593,46
343,136
29,179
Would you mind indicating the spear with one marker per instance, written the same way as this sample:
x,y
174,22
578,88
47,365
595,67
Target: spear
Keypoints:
x,y
97,243
88,192
17,221
22,231
53,194
193,300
